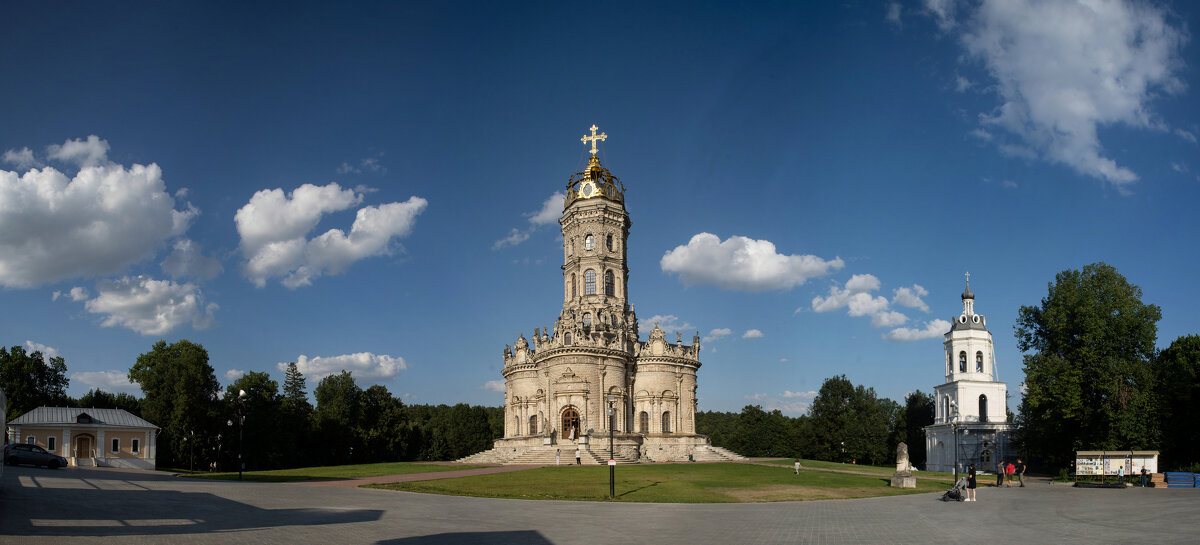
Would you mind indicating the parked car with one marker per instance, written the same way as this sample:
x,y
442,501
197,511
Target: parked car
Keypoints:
x,y
23,453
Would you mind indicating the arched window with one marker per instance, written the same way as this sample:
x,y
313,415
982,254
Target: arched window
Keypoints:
x,y
533,425
979,361
945,400
589,283
985,458
574,286
644,422
666,423
570,424
983,408
516,425
949,363
962,361
587,320
609,243
567,338
609,288
589,242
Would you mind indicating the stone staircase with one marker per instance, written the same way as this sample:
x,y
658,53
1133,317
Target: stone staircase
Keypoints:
x,y
708,453
544,456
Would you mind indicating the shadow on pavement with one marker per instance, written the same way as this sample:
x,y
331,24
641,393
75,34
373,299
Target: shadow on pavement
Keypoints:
x,y
531,537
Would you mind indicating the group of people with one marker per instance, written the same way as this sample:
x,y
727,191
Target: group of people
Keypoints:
x,y
1005,473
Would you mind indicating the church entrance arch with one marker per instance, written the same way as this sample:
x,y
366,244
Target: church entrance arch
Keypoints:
x,y
570,423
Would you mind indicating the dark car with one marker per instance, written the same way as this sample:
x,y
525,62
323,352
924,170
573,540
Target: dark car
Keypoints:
x,y
23,453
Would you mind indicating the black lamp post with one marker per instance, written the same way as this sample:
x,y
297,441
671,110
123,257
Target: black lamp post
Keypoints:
x,y
612,461
241,425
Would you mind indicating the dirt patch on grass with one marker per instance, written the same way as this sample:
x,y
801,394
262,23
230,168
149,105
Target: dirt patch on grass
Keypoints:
x,y
798,493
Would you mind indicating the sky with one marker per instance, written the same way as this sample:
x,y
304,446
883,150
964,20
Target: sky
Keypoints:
x,y
375,186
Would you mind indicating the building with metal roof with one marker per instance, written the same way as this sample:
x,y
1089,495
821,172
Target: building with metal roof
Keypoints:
x,y
89,437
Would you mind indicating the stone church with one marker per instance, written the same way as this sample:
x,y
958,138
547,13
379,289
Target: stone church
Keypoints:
x,y
566,387
971,404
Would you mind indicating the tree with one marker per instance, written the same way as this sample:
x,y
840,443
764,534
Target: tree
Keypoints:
x,y
30,381
1089,379
851,423
264,426
917,413
1179,395
338,417
100,399
179,395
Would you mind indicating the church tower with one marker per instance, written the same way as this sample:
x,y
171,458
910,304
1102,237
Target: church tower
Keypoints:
x,y
971,403
590,377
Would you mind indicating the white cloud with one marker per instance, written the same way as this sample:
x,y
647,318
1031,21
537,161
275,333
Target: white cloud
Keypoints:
x,y
670,323
47,351
752,334
783,360
910,297
741,263
933,329
370,164
82,153
108,381
893,14
756,397
791,403
1063,69
274,227
187,260
1186,135
362,365
99,222
801,395
234,374
149,306
1009,184
889,318
21,159
961,84
717,334
493,386
548,214
1180,168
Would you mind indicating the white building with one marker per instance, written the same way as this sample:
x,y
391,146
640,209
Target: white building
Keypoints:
x,y
971,403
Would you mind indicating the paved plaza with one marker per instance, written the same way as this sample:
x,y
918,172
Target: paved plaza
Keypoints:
x,y
111,506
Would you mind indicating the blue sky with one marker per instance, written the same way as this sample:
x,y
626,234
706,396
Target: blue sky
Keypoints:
x,y
366,186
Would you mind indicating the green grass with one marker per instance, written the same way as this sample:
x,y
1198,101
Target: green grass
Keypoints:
x,y
881,470
330,472
667,483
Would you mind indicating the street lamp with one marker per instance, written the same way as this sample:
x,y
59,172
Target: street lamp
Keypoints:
x,y
954,430
241,425
612,461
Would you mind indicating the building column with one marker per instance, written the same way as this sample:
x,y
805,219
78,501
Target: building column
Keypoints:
x,y
101,448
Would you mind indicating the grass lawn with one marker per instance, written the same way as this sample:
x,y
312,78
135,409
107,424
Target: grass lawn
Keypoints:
x,y
330,472
668,483
881,470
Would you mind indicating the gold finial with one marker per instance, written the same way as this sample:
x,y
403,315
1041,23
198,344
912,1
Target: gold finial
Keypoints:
x,y
593,138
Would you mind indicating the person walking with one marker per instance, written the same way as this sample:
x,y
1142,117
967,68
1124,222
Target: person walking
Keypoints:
x,y
1021,472
557,456
1010,469
1000,474
578,457
971,482
796,466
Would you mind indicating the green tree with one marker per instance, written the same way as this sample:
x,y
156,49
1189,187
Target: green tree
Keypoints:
x,y
100,399
1179,397
179,395
264,426
1089,379
338,418
30,381
917,413
851,423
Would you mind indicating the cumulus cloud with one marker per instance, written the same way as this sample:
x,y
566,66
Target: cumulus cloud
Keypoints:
x,y
788,402
932,330
752,334
82,153
21,159
187,260
149,306
893,15
856,297
47,351
741,263
362,365
1063,69
108,381
274,227
75,294
548,214
98,222
717,334
910,297
493,386
670,323
234,374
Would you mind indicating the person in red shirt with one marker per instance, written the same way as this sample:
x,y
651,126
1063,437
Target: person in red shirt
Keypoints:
x,y
1010,470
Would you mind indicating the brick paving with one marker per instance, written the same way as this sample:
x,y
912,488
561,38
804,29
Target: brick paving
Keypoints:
x,y
106,506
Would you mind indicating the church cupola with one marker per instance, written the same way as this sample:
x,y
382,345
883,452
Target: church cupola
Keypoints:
x,y
595,181
968,299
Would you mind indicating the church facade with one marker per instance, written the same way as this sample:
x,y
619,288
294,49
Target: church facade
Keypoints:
x,y
971,420
568,386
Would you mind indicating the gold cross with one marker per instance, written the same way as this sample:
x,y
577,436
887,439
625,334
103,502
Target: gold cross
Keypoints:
x,y
968,275
593,138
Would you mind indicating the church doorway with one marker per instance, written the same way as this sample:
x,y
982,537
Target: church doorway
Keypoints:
x,y
83,446
570,424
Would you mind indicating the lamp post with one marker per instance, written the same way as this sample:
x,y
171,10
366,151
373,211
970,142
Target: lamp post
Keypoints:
x,y
241,425
954,430
612,461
